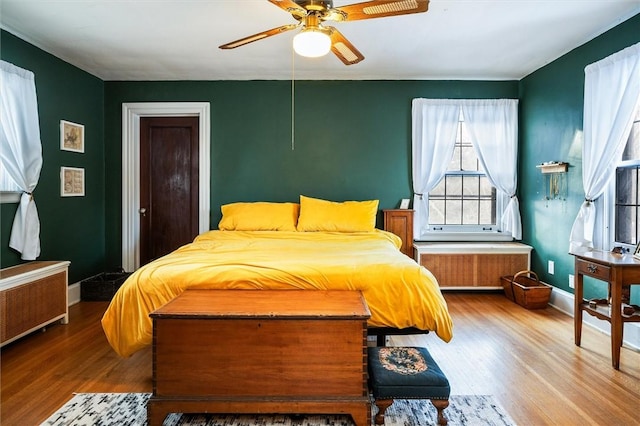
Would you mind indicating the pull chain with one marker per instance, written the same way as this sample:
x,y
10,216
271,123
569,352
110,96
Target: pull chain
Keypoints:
x,y
293,101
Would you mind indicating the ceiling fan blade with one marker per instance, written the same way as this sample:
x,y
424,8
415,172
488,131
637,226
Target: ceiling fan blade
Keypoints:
x,y
378,9
259,36
343,49
290,6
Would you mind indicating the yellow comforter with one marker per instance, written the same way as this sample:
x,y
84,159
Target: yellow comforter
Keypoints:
x,y
398,291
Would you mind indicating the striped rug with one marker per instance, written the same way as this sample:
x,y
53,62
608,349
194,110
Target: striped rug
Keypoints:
x,y
93,409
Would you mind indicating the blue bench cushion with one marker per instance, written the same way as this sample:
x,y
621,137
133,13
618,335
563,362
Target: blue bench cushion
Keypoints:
x,y
405,373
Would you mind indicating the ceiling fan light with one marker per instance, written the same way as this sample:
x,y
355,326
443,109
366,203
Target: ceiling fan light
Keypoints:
x,y
312,43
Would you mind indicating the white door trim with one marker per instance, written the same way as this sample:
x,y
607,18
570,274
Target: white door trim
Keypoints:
x,y
131,113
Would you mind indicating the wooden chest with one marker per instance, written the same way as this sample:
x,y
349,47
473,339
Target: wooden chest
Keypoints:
x,y
261,351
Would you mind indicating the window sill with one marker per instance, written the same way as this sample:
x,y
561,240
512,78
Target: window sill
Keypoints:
x,y
9,197
465,236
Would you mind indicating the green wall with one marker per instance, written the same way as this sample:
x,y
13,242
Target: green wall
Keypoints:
x,y
352,138
352,141
72,228
551,109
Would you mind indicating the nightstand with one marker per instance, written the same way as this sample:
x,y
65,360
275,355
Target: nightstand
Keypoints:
x,y
400,222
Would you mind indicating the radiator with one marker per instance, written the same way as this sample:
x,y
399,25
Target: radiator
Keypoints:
x,y
32,295
467,266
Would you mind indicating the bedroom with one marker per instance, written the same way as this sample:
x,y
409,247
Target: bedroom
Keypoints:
x,y
369,135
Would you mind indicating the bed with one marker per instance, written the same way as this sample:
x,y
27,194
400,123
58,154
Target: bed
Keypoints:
x,y
315,245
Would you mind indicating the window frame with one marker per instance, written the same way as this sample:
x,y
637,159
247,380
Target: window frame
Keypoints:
x,y
467,232
470,232
609,208
475,198
8,196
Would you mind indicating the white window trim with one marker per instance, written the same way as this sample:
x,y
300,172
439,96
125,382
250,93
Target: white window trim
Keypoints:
x,y
608,216
7,197
609,213
470,232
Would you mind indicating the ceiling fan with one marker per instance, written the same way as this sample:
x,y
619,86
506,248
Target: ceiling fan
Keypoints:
x,y
316,39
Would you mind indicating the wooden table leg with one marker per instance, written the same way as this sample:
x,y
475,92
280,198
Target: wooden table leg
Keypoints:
x,y
577,311
616,323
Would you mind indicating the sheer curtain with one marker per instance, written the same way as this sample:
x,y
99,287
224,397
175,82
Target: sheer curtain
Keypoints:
x,y
433,139
21,153
611,96
493,127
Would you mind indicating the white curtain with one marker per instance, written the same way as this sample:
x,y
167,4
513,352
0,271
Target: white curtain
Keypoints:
x,y
611,96
21,153
493,128
433,140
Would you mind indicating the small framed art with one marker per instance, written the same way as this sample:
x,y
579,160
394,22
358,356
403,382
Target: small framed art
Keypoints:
x,y
71,182
71,136
636,253
404,203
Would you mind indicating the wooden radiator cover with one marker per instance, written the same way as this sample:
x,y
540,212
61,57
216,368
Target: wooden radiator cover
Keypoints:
x,y
32,295
473,265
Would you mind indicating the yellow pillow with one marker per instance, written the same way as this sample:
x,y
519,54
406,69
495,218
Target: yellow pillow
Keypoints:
x,y
259,216
348,216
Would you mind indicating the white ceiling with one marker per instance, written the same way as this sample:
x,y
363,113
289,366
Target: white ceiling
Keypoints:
x,y
179,39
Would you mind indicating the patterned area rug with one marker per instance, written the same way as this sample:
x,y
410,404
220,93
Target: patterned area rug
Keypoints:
x,y
103,409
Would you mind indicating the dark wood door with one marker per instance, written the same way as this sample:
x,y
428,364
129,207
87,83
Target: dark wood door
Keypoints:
x,y
168,184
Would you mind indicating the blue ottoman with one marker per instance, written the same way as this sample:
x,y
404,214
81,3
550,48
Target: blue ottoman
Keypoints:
x,y
406,373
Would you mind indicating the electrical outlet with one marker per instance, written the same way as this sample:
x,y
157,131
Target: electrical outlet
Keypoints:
x,y
571,283
551,267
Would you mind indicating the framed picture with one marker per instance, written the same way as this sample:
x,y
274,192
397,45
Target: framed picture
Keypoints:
x,y
404,203
71,182
71,136
636,253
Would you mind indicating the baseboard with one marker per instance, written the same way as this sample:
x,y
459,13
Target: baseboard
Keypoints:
x,y
74,294
563,301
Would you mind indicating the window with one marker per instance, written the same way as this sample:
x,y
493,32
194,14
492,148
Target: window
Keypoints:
x,y
19,133
462,149
464,200
626,190
9,191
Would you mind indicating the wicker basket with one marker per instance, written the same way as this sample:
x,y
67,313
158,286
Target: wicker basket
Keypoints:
x,y
526,291
103,286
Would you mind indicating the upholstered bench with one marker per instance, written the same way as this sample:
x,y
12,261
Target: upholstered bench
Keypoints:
x,y
406,373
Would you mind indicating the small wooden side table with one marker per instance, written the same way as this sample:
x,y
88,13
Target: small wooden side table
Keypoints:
x,y
620,271
400,222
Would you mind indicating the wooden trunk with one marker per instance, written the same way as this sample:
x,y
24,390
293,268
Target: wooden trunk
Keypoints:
x,y
261,351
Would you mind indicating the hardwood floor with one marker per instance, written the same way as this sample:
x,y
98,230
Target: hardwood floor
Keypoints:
x,y
526,359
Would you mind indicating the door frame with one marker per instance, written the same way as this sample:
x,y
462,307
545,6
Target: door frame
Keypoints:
x,y
131,114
